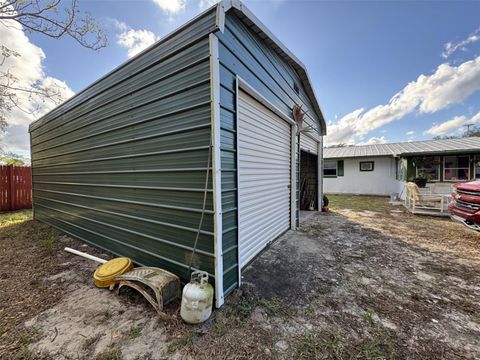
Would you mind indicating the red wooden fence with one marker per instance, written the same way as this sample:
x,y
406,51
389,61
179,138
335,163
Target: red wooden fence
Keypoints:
x,y
15,187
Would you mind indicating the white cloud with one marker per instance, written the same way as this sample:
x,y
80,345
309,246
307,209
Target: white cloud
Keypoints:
x,y
205,4
374,140
450,126
410,133
134,40
427,94
452,47
171,6
28,70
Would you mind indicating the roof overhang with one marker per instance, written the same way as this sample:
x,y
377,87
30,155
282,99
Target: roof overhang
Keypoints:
x,y
259,28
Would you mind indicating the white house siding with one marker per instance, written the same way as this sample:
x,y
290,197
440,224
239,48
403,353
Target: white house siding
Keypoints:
x,y
380,181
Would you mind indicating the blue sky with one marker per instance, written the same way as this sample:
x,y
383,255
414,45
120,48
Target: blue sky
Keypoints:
x,y
359,55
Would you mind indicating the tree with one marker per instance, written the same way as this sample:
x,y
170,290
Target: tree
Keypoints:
x,y
55,19
439,137
475,131
12,159
338,145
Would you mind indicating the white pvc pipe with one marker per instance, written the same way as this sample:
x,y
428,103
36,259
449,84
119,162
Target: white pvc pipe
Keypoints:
x,y
85,255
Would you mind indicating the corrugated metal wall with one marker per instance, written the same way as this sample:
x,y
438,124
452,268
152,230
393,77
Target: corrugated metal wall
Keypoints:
x,y
122,165
244,53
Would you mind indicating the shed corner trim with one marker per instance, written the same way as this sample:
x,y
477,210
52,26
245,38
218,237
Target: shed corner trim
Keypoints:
x,y
216,167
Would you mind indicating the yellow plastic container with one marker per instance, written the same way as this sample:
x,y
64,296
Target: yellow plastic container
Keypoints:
x,y
105,273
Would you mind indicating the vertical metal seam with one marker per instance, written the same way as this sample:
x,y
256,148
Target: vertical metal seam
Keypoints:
x,y
217,185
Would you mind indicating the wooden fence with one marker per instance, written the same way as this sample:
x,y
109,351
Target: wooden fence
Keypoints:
x,y
15,187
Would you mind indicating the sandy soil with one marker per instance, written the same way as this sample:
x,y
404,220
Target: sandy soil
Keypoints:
x,y
362,283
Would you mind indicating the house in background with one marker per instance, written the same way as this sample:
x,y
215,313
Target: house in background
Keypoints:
x,y
384,169
192,139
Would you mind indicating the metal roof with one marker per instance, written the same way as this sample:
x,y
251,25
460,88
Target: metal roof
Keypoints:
x,y
469,144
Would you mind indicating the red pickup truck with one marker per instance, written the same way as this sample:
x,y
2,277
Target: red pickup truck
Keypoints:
x,y
465,206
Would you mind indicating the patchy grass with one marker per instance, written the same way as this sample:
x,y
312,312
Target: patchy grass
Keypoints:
x,y
21,226
358,203
135,332
183,342
369,316
30,252
15,217
274,307
314,344
111,354
349,285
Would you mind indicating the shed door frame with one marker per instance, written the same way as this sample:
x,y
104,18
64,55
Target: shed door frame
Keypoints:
x,y
242,85
319,155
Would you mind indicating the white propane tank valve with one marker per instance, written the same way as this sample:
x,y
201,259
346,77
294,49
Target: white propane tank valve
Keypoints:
x,y
197,299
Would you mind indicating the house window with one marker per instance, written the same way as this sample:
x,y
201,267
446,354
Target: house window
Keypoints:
x,y
428,167
330,168
366,165
456,168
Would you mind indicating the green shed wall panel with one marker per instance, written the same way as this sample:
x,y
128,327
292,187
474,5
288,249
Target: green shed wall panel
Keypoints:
x,y
242,52
122,165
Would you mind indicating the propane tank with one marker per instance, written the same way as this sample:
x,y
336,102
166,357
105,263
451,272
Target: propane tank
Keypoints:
x,y
197,299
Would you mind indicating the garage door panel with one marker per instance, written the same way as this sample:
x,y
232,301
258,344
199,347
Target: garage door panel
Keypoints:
x,y
261,128
255,188
269,216
251,249
272,144
269,203
252,155
308,144
278,140
259,121
264,157
254,126
254,115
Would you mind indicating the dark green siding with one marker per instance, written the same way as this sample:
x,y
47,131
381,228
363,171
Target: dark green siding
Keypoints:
x,y
244,53
122,165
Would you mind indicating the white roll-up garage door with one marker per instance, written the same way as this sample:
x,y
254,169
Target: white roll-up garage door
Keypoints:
x,y
308,144
264,157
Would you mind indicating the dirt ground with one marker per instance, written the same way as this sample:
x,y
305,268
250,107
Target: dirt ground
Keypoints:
x,y
365,281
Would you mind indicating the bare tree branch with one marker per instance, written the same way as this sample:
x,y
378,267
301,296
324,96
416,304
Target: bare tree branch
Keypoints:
x,y
55,19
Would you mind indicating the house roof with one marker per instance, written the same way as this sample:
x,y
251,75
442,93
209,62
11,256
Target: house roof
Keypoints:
x,y
469,144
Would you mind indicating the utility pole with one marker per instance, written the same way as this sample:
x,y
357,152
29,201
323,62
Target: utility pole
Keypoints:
x,y
468,129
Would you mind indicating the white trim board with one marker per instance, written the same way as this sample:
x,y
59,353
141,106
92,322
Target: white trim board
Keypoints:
x,y
216,168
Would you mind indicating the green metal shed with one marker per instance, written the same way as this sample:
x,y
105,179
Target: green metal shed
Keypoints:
x,y
203,114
